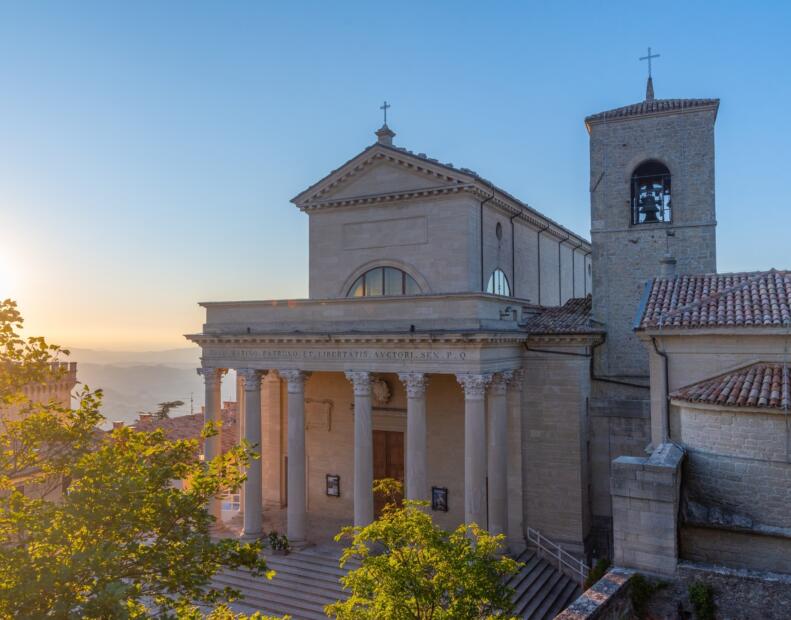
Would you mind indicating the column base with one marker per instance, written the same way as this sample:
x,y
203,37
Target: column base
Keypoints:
x,y
299,545
251,536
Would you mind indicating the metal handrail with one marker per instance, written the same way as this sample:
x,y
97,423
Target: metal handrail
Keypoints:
x,y
554,551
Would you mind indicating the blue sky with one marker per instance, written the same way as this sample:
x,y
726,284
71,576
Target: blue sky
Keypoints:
x,y
148,150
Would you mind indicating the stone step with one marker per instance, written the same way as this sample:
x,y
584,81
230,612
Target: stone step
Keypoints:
x,y
570,593
307,596
295,581
530,584
520,581
549,594
314,564
544,584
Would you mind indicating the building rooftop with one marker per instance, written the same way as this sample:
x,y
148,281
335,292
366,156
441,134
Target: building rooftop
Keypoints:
x,y
652,106
757,385
573,317
190,426
756,299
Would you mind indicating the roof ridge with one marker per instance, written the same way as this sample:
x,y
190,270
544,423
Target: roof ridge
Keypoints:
x,y
757,275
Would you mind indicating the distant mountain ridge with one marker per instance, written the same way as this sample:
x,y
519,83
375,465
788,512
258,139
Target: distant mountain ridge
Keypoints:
x,y
182,356
134,381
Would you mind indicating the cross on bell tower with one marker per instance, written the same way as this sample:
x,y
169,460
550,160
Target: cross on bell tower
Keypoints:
x,y
649,89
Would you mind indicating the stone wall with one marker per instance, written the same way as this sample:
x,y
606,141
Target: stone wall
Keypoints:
x,y
625,256
555,459
607,599
736,549
645,502
438,241
737,486
619,426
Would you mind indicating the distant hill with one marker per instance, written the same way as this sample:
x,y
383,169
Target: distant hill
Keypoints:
x,y
135,381
171,357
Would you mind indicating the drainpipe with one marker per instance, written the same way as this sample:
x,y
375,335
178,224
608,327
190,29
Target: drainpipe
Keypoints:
x,y
665,431
585,271
560,270
513,256
573,270
483,202
538,246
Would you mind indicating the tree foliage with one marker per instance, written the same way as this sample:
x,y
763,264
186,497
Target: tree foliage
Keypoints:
x,y
120,541
410,569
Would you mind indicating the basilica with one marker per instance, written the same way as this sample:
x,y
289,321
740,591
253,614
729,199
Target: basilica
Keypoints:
x,y
615,395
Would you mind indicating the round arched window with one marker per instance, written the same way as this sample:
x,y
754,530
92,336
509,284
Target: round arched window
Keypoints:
x,y
384,281
498,284
651,193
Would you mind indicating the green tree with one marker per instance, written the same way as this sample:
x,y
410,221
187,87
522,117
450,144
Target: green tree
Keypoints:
x,y
164,409
410,569
120,541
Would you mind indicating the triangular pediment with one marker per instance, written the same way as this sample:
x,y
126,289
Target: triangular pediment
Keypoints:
x,y
379,171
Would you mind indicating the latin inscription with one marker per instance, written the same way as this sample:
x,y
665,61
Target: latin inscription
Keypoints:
x,y
350,355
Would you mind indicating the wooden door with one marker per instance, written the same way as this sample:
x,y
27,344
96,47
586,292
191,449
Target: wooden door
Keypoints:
x,y
388,461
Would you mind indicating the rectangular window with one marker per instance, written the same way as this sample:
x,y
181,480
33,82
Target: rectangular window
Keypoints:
x,y
394,281
374,282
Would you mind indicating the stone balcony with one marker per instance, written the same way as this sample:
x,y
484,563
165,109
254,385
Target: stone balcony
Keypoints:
x,y
435,312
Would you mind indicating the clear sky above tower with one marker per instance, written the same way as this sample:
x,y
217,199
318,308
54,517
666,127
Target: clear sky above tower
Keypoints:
x,y
148,151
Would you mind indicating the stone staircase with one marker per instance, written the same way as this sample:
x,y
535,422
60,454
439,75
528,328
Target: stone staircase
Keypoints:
x,y
308,580
541,591
304,583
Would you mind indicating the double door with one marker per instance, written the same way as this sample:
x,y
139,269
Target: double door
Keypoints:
x,y
388,461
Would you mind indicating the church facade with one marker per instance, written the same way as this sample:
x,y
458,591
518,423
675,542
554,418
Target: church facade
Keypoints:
x,y
497,363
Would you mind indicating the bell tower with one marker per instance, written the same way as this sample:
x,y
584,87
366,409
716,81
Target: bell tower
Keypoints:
x,y
652,211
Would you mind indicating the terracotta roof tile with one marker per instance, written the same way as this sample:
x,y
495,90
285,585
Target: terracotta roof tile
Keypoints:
x,y
758,299
190,426
758,385
654,106
573,317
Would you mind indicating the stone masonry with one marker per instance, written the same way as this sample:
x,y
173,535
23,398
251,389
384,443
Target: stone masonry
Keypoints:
x,y
645,500
625,256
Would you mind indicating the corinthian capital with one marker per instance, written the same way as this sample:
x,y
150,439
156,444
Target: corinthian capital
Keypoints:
x,y
415,383
252,378
211,376
295,379
517,380
499,382
474,384
361,381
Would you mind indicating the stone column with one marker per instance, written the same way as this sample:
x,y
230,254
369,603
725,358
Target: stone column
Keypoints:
x,y
516,533
416,484
240,413
296,512
212,412
474,446
252,433
497,454
363,449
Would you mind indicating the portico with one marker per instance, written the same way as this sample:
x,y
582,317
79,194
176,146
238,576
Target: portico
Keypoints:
x,y
419,369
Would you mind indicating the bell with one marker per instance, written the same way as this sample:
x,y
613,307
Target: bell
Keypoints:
x,y
649,208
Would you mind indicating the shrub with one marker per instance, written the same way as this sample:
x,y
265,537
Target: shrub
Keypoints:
x,y
597,572
641,590
701,595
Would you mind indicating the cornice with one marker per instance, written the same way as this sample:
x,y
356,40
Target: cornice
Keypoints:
x,y
451,180
483,338
571,339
